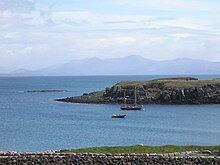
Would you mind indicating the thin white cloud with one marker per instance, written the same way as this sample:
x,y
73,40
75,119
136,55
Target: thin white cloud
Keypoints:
x,y
185,22
168,5
94,21
75,17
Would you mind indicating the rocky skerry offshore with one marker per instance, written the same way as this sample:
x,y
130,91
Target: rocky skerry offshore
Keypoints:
x,y
180,90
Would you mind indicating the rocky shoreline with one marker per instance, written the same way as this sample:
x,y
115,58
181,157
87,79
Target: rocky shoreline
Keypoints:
x,y
182,90
189,157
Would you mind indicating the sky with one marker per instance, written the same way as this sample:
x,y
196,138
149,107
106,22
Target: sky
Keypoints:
x,y
39,33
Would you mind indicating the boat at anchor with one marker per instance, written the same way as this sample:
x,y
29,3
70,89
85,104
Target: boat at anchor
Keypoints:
x,y
118,116
134,106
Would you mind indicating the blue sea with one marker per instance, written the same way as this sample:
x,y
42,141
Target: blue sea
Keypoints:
x,y
35,122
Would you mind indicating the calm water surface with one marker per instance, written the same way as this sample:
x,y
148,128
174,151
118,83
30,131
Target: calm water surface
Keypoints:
x,y
35,122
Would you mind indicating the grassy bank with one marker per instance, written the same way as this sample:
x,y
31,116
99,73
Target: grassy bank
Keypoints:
x,y
142,149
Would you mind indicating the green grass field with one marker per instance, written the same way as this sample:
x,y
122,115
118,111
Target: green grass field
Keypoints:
x,y
142,149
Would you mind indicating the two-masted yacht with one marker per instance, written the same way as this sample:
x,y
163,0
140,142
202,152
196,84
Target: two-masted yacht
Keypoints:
x,y
134,106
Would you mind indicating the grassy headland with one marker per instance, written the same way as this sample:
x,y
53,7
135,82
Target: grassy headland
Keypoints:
x,y
178,90
142,149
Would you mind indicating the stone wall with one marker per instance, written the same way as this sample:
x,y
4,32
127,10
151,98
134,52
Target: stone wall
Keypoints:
x,y
98,159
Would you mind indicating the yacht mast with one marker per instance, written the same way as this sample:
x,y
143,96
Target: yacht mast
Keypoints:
x,y
135,96
124,98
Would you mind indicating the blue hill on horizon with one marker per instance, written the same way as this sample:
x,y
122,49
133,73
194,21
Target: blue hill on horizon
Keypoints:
x,y
129,65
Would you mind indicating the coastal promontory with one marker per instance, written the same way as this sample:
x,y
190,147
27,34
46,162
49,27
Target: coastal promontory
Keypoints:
x,y
179,90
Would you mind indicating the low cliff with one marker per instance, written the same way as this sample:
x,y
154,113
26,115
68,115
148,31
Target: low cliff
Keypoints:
x,y
183,90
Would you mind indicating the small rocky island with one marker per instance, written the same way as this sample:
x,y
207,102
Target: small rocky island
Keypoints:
x,y
181,90
46,90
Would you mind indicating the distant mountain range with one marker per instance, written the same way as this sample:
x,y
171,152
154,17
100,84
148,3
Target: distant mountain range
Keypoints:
x,y
19,73
130,65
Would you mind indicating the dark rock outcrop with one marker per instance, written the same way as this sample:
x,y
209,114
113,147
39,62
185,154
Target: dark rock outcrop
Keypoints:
x,y
159,91
46,90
